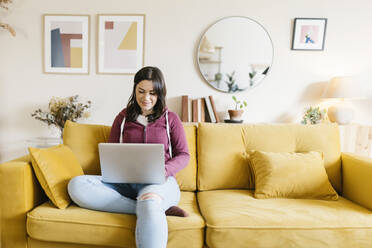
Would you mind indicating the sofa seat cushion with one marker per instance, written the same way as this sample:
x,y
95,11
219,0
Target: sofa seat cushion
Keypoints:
x,y
234,218
84,226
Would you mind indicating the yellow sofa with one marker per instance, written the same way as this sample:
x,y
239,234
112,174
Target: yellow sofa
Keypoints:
x,y
217,191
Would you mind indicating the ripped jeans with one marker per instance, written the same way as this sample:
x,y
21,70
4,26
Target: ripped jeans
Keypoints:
x,y
88,191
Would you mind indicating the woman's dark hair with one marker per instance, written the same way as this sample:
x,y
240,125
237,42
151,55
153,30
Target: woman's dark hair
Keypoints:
x,y
156,76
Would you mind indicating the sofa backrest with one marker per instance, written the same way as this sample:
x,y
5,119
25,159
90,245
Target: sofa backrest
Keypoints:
x,y
83,139
222,148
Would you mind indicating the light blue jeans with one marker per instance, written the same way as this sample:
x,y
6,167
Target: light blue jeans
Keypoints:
x,y
88,191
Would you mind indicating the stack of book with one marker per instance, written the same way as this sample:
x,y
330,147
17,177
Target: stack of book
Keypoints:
x,y
199,109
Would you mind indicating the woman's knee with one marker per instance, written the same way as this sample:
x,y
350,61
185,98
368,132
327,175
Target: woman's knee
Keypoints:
x,y
74,187
80,184
76,182
149,204
150,196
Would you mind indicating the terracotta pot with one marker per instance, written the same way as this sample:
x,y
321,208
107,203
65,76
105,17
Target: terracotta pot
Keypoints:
x,y
235,114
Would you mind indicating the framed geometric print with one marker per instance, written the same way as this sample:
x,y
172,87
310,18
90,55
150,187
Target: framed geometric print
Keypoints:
x,y
120,43
66,44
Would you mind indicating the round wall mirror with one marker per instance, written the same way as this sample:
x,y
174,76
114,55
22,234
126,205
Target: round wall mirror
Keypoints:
x,y
235,54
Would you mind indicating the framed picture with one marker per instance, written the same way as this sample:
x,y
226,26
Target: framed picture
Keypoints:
x,y
120,43
66,44
309,34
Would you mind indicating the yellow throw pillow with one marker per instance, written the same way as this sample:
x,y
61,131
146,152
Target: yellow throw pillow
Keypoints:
x,y
54,167
290,175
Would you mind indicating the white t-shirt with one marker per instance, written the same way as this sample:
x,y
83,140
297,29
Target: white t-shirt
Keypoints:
x,y
143,120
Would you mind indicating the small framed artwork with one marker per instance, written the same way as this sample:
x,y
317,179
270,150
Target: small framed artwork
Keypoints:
x,y
120,43
66,44
309,34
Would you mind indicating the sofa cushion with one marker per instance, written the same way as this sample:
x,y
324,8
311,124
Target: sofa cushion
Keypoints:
x,y
290,175
222,148
234,218
186,178
33,243
54,167
83,140
84,226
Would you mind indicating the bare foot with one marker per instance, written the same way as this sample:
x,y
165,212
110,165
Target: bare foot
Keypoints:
x,y
176,211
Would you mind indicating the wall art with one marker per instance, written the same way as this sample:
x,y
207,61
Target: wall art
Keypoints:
x,y
309,34
120,43
66,44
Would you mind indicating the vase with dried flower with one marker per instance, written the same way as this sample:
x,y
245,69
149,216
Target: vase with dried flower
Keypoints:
x,y
62,109
4,5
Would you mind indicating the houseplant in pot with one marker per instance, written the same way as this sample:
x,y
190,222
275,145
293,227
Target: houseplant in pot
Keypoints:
x,y
314,115
236,113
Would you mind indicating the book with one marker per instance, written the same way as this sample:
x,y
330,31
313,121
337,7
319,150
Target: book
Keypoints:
x,y
185,109
193,109
214,109
209,111
202,109
189,103
207,118
195,112
198,110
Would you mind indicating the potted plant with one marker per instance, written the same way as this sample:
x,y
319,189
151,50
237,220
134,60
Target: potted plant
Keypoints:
x,y
236,113
314,115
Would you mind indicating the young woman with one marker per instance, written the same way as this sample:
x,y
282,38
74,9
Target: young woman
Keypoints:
x,y
146,119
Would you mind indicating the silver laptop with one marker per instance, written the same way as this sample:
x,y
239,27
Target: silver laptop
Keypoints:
x,y
132,163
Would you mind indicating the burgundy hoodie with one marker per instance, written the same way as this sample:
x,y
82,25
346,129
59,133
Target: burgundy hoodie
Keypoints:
x,y
155,132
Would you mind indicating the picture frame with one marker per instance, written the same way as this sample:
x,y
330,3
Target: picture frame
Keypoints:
x,y
121,40
66,44
309,34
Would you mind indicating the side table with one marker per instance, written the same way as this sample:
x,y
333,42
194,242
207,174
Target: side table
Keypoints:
x,y
356,138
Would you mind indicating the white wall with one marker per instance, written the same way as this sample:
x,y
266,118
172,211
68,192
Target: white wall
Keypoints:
x,y
173,29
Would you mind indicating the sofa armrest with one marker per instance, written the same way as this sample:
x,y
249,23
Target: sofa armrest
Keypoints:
x,y
19,193
357,179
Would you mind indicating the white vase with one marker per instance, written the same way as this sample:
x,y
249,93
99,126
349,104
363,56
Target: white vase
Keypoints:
x,y
341,114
